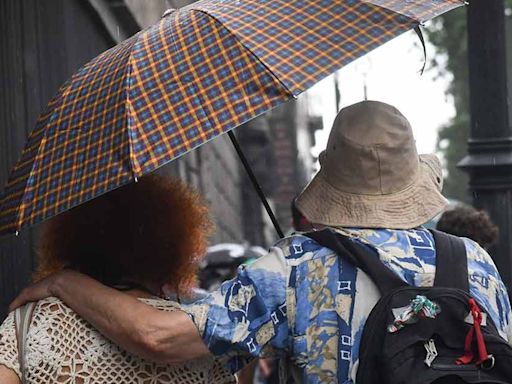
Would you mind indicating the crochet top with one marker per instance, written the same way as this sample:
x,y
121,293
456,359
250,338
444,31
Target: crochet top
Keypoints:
x,y
61,347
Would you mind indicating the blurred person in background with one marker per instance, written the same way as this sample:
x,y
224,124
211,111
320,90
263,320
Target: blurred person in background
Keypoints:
x,y
222,261
465,221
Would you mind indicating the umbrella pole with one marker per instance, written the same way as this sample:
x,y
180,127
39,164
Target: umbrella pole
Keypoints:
x,y
255,183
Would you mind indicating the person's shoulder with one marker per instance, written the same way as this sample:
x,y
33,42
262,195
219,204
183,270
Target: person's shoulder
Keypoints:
x,y
48,312
479,259
52,306
286,241
51,300
299,247
282,256
473,249
404,239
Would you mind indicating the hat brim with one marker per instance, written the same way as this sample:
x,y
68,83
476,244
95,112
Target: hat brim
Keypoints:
x,y
411,207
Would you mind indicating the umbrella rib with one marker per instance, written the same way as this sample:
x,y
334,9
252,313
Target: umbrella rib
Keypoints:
x,y
232,137
128,111
21,211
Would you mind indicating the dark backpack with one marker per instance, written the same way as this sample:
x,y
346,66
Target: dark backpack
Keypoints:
x,y
424,335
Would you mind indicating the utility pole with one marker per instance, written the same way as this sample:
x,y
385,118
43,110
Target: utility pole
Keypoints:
x,y
489,159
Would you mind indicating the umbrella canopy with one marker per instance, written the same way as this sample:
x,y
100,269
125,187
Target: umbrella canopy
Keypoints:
x,y
201,71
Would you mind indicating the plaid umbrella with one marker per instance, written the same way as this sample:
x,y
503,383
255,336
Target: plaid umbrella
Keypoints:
x,y
201,71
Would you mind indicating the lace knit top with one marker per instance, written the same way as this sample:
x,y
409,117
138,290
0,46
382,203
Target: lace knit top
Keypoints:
x,y
63,348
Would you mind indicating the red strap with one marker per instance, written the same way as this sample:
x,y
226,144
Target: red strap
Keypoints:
x,y
468,351
475,329
482,348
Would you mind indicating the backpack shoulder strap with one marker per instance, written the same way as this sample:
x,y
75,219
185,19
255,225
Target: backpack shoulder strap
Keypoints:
x,y
363,257
451,261
22,318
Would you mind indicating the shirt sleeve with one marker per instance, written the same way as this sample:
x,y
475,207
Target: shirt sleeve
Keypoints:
x,y
246,316
9,345
487,287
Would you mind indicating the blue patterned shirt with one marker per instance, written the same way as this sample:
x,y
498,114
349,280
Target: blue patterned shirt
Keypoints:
x,y
303,302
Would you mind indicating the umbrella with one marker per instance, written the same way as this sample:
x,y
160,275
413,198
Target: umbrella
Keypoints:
x,y
200,72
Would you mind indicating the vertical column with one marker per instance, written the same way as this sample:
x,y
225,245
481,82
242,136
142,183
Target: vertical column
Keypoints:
x,y
489,159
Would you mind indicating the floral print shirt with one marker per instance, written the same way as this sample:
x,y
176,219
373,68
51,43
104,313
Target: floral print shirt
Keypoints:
x,y
303,302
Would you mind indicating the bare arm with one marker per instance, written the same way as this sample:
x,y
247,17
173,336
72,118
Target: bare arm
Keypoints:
x,y
7,376
166,337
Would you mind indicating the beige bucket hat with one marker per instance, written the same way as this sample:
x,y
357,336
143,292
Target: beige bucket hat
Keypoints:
x,y
371,175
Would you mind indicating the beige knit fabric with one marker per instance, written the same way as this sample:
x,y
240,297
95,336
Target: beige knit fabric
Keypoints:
x,y
63,348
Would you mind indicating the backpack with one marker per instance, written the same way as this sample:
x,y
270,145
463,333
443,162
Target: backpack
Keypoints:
x,y
424,335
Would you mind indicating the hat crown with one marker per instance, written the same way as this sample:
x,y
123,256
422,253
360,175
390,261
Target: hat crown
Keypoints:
x,y
371,150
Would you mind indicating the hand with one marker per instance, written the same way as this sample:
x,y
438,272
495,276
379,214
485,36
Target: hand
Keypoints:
x,y
37,291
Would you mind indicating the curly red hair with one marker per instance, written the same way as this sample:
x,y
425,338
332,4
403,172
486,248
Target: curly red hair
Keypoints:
x,y
153,231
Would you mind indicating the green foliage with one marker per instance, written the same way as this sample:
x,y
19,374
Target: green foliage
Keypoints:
x,y
448,34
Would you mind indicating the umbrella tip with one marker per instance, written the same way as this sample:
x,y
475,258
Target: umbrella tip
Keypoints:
x,y
168,12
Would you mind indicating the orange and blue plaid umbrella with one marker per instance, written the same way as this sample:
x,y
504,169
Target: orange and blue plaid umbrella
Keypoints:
x,y
201,71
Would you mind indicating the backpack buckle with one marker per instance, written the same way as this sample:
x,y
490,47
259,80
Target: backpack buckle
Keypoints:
x,y
488,363
430,347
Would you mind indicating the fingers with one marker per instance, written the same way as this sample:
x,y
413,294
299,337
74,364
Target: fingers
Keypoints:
x,y
33,292
18,301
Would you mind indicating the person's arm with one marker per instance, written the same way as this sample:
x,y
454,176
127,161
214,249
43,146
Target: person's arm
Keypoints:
x,y
7,376
166,337
487,287
246,317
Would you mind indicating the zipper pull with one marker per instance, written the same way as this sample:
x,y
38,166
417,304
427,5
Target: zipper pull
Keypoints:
x,y
431,349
